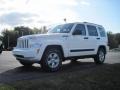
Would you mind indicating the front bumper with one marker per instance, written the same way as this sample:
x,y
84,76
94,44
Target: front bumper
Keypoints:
x,y
27,55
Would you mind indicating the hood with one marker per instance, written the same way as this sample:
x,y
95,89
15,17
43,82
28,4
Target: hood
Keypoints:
x,y
48,36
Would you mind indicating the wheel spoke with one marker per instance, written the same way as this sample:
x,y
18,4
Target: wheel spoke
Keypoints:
x,y
53,64
50,56
49,62
56,60
56,57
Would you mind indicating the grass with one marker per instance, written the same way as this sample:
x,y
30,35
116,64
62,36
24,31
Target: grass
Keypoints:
x,y
6,87
103,77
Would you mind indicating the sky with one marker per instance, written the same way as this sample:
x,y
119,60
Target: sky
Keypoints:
x,y
36,13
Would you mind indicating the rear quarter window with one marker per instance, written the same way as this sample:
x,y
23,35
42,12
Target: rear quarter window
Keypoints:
x,y
102,32
92,31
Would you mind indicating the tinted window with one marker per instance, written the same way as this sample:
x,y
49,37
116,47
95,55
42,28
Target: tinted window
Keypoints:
x,y
65,28
79,30
92,30
102,32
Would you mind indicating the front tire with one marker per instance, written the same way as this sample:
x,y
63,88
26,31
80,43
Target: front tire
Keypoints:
x,y
1,49
51,60
100,57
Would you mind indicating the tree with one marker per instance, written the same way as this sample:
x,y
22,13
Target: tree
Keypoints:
x,y
44,29
21,30
36,30
1,37
9,38
117,37
112,42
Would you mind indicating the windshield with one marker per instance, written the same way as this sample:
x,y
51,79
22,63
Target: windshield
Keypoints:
x,y
65,28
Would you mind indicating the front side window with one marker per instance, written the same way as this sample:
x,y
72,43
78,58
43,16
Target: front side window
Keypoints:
x,y
92,31
65,28
102,32
79,30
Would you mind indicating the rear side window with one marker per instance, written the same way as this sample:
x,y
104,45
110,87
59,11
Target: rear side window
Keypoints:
x,y
102,32
79,30
92,31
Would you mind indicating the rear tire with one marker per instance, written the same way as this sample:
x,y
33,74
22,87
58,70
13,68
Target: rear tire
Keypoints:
x,y
51,60
0,51
26,64
100,57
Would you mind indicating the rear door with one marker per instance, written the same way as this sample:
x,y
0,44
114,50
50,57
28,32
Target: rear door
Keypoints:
x,y
93,39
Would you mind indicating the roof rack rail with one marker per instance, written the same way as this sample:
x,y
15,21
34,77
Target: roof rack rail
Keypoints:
x,y
92,23
85,22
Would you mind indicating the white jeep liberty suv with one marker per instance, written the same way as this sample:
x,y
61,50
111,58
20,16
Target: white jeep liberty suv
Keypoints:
x,y
68,41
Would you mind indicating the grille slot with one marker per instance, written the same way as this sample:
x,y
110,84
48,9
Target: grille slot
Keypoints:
x,y
23,43
19,56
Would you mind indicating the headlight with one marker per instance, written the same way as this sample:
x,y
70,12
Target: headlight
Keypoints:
x,y
33,38
35,45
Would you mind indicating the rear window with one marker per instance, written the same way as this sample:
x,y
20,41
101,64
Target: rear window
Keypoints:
x,y
102,32
92,31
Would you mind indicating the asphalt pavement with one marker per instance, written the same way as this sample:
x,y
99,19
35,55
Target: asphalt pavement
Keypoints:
x,y
11,70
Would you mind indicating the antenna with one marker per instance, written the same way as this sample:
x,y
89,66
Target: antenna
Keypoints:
x,y
65,20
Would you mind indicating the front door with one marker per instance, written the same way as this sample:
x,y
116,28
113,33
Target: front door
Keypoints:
x,y
78,41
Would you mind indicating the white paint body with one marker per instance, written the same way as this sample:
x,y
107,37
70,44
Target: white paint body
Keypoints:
x,y
38,43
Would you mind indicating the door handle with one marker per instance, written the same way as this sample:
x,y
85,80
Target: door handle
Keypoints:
x,y
98,38
65,36
85,37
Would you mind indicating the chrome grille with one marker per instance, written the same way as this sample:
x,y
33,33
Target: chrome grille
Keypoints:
x,y
23,43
